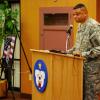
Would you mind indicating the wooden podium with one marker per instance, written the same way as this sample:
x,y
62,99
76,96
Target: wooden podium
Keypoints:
x,y
65,76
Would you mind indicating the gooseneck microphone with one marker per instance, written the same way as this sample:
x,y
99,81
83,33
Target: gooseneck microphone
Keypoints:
x,y
69,29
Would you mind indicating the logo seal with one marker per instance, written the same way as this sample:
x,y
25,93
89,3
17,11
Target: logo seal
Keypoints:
x,y
40,75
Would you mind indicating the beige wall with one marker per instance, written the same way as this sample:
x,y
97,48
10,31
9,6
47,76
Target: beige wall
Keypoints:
x,y
30,29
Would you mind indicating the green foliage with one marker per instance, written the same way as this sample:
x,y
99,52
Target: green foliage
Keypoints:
x,y
8,20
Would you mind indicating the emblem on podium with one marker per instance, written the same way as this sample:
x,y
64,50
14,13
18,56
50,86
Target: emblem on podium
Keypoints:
x,y
40,75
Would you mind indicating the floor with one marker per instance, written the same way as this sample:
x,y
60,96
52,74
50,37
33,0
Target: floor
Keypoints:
x,y
15,96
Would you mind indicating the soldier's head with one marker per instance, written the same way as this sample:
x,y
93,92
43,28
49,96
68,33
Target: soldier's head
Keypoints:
x,y
80,13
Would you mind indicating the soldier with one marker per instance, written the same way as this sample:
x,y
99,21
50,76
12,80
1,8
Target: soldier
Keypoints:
x,y
88,45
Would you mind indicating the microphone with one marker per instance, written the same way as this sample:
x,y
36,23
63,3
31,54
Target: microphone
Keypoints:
x,y
69,29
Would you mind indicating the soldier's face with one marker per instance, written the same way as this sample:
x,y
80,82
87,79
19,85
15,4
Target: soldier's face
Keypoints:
x,y
80,15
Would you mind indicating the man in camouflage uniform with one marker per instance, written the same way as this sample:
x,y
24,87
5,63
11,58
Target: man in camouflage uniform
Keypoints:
x,y
88,45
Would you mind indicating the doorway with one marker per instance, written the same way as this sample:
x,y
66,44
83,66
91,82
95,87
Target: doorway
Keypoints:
x,y
53,25
98,10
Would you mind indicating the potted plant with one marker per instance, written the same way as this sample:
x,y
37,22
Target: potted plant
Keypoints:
x,y
8,27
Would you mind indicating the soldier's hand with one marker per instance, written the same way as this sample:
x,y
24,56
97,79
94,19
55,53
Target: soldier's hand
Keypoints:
x,y
77,53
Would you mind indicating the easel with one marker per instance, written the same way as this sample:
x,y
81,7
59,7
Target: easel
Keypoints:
x,y
24,51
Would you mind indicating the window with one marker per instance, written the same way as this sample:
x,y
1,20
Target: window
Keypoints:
x,y
56,19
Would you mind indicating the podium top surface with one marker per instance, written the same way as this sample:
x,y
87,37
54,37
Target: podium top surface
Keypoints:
x,y
54,53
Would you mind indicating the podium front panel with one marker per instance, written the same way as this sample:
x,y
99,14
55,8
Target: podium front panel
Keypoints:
x,y
65,77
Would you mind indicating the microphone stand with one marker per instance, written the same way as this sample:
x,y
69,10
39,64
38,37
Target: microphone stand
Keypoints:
x,y
67,41
69,30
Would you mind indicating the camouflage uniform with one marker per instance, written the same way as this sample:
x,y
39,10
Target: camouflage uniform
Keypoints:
x,y
88,42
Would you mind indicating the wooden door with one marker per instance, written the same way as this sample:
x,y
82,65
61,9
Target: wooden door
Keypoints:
x,y
53,26
98,10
